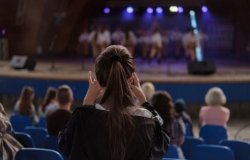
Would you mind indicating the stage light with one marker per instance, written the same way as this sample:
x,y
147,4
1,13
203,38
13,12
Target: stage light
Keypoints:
x,y
130,9
173,9
106,10
204,9
150,10
193,19
180,9
159,10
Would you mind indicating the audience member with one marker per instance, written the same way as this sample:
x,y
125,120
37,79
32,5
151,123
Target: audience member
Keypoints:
x,y
180,107
49,101
8,144
148,89
214,112
24,105
162,101
114,128
56,120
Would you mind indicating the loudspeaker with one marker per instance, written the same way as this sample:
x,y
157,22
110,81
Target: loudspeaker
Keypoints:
x,y
22,62
201,68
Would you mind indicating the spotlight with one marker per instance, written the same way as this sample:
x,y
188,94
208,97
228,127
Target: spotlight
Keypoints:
x,y
159,10
173,9
150,10
106,10
204,9
130,9
180,9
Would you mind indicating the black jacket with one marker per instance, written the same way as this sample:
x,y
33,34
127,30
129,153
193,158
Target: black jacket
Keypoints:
x,y
85,136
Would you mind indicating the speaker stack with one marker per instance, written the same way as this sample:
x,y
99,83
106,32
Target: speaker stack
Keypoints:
x,y
201,68
22,62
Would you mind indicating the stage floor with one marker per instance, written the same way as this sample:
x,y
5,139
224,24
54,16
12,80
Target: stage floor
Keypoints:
x,y
171,70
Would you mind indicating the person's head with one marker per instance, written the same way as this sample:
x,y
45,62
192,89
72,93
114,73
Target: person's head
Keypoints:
x,y
162,101
113,69
26,100
148,89
215,97
180,105
65,96
49,97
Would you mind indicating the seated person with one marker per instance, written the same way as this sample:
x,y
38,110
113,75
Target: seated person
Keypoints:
x,y
49,101
180,107
8,144
162,101
148,89
56,120
214,113
24,105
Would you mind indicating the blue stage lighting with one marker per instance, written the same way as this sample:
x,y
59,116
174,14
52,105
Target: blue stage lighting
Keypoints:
x,y
159,10
130,9
180,9
150,10
204,9
106,10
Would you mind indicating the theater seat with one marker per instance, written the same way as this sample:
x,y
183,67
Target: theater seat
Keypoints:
x,y
240,149
37,154
212,152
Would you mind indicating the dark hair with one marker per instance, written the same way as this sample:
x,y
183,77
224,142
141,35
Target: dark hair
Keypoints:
x,y
113,68
26,98
162,101
180,105
50,95
64,95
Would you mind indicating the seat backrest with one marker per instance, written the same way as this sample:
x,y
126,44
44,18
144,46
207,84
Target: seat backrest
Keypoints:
x,y
189,132
37,154
42,122
51,142
19,122
213,134
170,159
212,152
25,139
241,149
38,135
189,144
172,152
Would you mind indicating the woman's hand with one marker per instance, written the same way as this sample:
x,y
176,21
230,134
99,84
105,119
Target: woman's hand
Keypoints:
x,y
94,90
137,90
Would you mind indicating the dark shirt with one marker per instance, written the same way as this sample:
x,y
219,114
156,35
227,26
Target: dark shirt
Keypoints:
x,y
57,120
85,136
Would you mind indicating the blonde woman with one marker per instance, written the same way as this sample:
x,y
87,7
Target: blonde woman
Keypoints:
x,y
214,113
148,89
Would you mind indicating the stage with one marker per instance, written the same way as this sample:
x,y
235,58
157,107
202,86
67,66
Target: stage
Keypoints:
x,y
172,75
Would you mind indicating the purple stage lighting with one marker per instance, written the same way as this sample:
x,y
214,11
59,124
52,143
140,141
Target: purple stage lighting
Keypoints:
x,y
204,9
180,9
150,10
159,10
130,9
106,10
